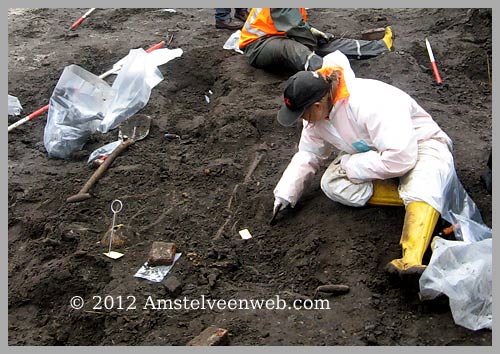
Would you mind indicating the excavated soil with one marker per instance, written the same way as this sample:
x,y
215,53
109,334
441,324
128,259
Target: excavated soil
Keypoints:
x,y
188,191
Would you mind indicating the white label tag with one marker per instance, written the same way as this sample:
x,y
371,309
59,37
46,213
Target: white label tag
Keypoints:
x,y
113,254
245,234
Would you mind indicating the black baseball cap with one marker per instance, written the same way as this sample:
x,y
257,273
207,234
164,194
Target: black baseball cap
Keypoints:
x,y
301,91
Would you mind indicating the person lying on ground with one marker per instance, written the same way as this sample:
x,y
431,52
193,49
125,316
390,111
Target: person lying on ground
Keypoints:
x,y
386,138
282,38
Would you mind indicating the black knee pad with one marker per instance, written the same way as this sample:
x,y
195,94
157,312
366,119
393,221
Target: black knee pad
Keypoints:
x,y
315,63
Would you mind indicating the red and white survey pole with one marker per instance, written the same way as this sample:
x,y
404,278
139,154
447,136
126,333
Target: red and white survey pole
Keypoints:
x,y
433,62
81,19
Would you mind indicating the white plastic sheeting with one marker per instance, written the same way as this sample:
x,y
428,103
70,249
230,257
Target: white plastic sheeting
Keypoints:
x,y
14,106
233,42
463,272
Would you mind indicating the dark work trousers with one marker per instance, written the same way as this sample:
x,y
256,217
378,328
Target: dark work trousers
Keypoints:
x,y
280,51
223,14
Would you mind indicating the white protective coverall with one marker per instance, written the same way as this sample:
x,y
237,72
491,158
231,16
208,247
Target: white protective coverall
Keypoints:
x,y
385,134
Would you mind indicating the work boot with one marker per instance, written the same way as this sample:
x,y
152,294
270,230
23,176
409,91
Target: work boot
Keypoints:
x,y
241,14
389,37
420,220
228,24
385,192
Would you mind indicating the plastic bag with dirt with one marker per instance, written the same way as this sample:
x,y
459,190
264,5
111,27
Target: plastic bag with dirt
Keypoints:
x,y
76,109
82,103
463,272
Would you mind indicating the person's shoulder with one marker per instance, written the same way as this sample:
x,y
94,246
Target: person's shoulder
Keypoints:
x,y
366,93
373,87
375,95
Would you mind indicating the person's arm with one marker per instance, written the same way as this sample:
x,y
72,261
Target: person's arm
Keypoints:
x,y
391,131
313,150
291,22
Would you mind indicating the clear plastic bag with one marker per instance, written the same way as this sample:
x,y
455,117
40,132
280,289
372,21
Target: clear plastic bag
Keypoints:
x,y
82,103
104,150
456,201
14,106
76,108
133,86
469,230
463,272
233,42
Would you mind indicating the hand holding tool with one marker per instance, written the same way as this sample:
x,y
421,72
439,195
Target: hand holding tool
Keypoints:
x,y
279,205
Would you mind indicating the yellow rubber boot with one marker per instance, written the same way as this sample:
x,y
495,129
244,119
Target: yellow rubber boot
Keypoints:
x,y
385,192
389,37
420,220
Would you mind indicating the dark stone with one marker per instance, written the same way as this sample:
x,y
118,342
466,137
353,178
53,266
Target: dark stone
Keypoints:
x,y
173,286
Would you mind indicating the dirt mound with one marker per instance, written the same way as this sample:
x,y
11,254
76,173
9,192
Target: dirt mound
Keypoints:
x,y
199,191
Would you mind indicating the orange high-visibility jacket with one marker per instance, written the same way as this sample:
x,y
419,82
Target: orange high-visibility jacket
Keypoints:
x,y
260,24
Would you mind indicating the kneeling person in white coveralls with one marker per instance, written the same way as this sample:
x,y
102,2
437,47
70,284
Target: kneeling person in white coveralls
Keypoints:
x,y
383,135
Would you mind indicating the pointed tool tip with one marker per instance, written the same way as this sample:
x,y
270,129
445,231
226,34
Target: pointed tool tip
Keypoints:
x,y
273,220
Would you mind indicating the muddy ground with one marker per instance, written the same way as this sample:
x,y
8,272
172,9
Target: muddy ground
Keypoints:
x,y
185,191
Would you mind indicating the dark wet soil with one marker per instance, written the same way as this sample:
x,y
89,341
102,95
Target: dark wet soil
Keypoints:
x,y
191,190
